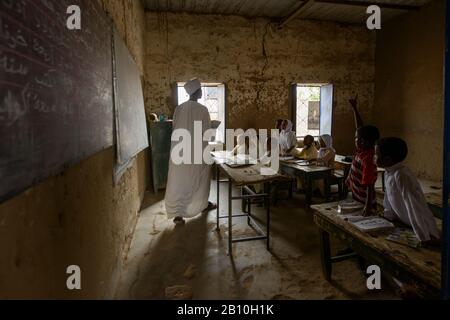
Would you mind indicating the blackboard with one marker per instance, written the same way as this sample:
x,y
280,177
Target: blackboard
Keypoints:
x,y
131,124
56,105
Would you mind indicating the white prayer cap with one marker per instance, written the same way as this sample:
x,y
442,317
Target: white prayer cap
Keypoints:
x,y
192,86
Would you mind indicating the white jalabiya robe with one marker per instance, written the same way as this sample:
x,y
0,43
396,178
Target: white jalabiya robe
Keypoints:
x,y
288,139
404,200
188,185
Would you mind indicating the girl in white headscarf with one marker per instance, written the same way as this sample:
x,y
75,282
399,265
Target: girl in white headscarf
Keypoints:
x,y
288,139
326,152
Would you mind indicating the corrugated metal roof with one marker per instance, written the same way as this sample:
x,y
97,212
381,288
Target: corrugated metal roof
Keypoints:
x,y
279,8
247,8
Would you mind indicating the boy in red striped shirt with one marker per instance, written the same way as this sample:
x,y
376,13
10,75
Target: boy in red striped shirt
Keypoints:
x,y
363,173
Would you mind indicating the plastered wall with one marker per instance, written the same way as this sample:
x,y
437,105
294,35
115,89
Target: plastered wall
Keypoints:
x,y
258,64
79,217
409,86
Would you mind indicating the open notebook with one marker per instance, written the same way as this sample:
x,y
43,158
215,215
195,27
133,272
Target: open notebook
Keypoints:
x,y
372,224
240,161
404,236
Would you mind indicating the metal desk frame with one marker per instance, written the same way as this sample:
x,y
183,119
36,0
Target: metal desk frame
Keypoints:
x,y
246,195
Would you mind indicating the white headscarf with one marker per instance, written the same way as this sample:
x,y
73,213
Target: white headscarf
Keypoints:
x,y
288,138
192,86
328,140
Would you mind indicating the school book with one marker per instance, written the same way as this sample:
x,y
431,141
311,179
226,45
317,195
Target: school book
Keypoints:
x,y
405,237
288,158
240,161
351,217
372,224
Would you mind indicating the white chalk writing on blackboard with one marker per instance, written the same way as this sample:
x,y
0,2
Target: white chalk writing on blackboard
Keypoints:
x,y
12,40
15,6
33,101
55,89
11,66
10,109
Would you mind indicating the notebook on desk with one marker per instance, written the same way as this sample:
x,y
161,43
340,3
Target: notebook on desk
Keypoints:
x,y
405,237
372,224
240,161
289,158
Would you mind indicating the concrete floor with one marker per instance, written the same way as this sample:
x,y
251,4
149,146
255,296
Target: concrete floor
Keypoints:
x,y
167,261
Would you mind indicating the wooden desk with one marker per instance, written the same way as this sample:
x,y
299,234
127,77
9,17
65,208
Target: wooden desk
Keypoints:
x,y
420,266
242,178
435,204
341,160
308,174
433,193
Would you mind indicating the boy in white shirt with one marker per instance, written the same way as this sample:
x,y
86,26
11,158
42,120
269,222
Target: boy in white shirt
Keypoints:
x,y
404,199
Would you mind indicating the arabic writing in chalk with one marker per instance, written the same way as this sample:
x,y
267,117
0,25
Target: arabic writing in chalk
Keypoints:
x,y
11,39
17,6
11,65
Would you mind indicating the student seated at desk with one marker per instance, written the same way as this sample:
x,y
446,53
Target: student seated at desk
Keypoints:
x,y
288,139
325,158
363,172
404,199
309,151
245,145
279,125
326,153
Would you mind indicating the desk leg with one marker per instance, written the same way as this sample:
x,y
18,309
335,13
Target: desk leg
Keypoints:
x,y
244,202
291,189
230,218
268,216
325,254
218,196
249,212
327,188
309,186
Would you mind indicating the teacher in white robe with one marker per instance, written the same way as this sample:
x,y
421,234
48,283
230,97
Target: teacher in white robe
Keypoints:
x,y
188,184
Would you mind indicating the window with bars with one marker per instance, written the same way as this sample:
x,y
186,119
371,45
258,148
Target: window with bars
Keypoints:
x,y
312,109
308,111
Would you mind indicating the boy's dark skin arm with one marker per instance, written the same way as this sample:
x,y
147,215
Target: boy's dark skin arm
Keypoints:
x,y
368,209
358,119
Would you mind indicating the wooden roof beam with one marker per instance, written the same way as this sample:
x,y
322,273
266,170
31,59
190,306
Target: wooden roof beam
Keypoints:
x,y
302,8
